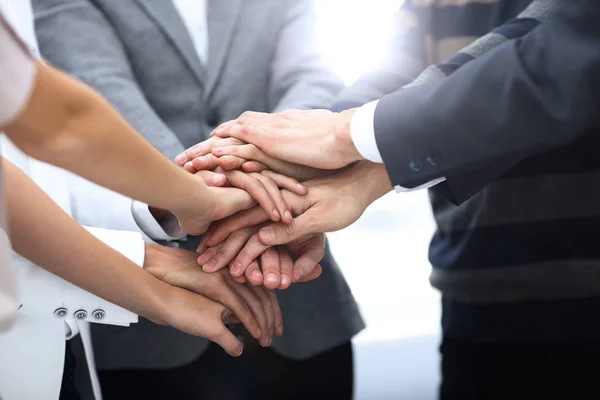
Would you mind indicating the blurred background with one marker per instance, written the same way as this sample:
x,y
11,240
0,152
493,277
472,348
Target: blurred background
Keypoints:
x,y
396,355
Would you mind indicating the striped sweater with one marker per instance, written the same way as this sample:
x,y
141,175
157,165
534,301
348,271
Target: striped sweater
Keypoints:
x,y
519,261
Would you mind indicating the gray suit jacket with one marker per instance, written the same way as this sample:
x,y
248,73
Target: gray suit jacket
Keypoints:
x,y
139,55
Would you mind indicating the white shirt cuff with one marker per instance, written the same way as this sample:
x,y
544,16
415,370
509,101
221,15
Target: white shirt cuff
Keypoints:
x,y
169,230
362,132
400,189
17,73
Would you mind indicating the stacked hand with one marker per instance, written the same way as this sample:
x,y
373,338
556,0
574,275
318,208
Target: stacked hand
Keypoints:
x,y
305,145
218,298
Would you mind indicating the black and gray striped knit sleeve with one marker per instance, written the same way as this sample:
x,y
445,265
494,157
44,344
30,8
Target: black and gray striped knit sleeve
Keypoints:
x,y
536,13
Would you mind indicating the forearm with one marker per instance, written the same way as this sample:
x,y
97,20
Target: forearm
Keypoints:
x,y
48,237
67,124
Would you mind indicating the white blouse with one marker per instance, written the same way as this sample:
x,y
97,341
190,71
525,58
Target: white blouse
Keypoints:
x,y
16,79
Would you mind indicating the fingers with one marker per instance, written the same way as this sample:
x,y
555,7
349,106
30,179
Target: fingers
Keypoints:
x,y
277,313
273,190
286,265
226,339
257,189
258,160
253,274
219,231
251,251
250,152
266,302
208,255
213,260
270,263
255,303
203,148
249,134
286,182
253,166
312,253
314,274
207,162
278,233
212,178
238,305
230,162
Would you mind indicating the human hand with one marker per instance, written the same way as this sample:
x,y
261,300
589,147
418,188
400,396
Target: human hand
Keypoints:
x,y
316,138
275,269
231,154
264,187
332,203
256,307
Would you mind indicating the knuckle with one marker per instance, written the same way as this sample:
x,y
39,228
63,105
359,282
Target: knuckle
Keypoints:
x,y
252,150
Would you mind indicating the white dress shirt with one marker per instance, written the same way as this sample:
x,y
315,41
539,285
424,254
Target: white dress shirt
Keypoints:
x,y
362,132
193,15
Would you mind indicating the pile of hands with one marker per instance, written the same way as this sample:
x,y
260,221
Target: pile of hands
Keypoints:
x,y
277,183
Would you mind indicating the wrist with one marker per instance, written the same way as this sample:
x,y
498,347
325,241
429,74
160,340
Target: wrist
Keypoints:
x,y
343,140
161,295
192,198
376,180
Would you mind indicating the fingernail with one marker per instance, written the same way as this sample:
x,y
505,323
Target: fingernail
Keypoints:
x,y
276,215
267,235
300,186
269,342
256,274
272,278
258,333
217,151
280,330
216,179
189,164
298,275
210,266
203,259
285,280
202,159
237,268
241,350
288,216
180,158
201,249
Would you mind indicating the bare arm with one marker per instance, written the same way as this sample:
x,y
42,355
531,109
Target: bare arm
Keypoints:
x,y
43,233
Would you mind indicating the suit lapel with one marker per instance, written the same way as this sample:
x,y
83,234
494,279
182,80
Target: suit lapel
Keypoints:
x,y
222,18
165,15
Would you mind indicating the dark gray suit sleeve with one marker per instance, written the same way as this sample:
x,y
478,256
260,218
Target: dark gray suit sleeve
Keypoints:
x,y
527,96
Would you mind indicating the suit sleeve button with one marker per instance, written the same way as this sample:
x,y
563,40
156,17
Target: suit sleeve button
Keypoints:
x,y
434,159
416,165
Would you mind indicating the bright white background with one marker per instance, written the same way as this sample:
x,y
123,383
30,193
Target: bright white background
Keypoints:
x,y
384,254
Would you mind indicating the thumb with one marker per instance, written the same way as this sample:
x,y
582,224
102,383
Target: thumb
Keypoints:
x,y
228,341
280,233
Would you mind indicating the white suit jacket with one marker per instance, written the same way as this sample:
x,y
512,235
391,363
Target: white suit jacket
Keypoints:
x,y
32,351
